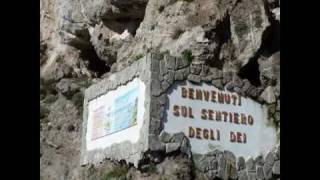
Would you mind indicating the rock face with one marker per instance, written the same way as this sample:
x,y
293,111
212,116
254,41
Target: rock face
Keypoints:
x,y
61,109
231,44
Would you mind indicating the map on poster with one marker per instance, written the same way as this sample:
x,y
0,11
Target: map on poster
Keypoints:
x,y
116,115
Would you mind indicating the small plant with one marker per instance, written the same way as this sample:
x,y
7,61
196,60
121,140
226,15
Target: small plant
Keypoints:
x,y
152,168
118,172
137,57
149,168
187,55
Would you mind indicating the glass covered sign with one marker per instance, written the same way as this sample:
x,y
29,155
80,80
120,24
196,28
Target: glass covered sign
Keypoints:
x,y
116,116
115,113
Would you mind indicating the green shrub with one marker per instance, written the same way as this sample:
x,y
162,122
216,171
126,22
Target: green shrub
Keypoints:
x,y
152,168
118,172
187,55
137,57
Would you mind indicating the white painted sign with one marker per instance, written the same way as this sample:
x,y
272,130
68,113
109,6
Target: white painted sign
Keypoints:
x,y
116,116
219,119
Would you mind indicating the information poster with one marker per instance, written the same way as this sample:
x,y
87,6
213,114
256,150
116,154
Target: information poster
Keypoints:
x,y
117,114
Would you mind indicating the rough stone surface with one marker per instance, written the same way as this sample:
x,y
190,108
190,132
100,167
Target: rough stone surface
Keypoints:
x,y
67,87
241,163
170,62
277,153
242,175
106,42
267,170
164,137
276,13
212,164
194,78
276,168
231,164
260,172
252,175
217,83
219,164
181,63
248,16
270,70
195,69
269,159
171,147
179,168
259,160
250,164
59,147
268,95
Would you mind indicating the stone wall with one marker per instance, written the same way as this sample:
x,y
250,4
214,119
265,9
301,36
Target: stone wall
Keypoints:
x,y
166,70
159,71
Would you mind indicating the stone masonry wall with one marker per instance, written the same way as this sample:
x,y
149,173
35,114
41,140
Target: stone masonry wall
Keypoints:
x,y
159,71
166,70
